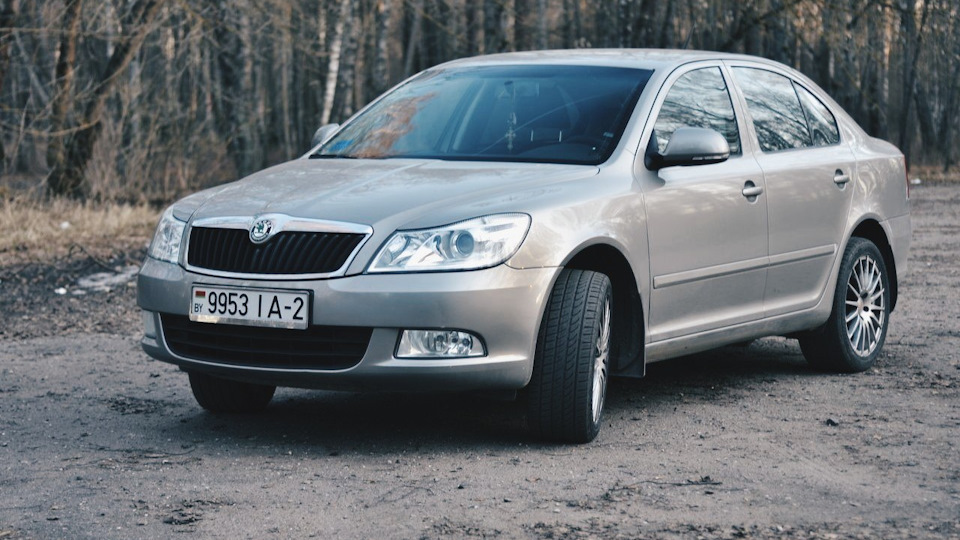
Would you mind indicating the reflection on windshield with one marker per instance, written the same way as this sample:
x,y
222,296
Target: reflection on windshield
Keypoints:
x,y
559,114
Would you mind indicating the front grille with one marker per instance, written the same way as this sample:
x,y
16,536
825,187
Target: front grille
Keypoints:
x,y
288,252
317,347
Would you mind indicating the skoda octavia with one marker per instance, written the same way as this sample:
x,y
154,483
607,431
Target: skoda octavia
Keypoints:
x,y
538,221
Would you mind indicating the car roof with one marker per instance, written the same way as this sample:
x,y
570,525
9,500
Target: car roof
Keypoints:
x,y
633,58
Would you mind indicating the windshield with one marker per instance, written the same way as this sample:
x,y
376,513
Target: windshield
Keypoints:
x,y
557,114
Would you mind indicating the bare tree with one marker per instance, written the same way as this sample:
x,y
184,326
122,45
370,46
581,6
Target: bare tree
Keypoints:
x,y
163,97
8,15
67,176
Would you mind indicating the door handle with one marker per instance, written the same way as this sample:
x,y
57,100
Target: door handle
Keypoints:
x,y
840,178
751,191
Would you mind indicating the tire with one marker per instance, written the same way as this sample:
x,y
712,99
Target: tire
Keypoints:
x,y
222,395
852,338
571,367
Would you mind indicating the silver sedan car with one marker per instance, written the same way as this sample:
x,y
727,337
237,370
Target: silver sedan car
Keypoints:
x,y
538,221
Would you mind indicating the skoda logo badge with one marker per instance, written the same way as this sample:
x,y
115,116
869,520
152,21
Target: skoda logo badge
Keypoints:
x,y
261,230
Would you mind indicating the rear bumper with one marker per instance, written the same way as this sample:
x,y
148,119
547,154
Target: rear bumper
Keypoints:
x,y
502,305
900,232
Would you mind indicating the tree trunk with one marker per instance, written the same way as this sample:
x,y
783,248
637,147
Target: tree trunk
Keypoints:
x,y
381,53
572,29
928,132
542,38
62,101
250,101
473,28
333,65
823,55
776,38
494,36
433,47
641,22
227,84
914,40
285,62
8,15
949,118
624,27
521,26
413,40
67,176
881,38
605,23
348,66
667,38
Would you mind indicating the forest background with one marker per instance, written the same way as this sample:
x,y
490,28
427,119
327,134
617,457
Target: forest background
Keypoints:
x,y
141,101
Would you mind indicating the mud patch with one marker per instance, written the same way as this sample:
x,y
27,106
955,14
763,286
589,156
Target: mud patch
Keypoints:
x,y
106,281
33,307
132,405
188,513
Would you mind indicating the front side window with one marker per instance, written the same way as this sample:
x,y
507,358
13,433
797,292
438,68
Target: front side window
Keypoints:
x,y
777,116
698,99
557,114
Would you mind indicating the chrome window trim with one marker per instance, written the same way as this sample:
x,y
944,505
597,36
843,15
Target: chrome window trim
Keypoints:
x,y
821,96
283,223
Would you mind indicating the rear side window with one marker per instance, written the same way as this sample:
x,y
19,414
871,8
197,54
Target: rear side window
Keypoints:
x,y
823,125
777,115
698,99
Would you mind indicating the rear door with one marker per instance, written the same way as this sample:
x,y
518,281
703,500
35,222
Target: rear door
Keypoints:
x,y
808,171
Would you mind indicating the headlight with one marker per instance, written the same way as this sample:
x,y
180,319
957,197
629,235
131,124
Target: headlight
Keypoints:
x,y
468,245
166,241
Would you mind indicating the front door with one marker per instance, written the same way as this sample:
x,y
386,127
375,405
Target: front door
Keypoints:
x,y
708,239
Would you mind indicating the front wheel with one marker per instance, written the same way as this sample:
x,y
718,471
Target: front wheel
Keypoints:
x,y
223,395
572,363
853,336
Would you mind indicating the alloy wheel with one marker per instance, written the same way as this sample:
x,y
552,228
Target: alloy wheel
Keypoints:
x,y
601,361
865,309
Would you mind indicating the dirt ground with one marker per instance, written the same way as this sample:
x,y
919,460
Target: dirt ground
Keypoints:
x,y
98,441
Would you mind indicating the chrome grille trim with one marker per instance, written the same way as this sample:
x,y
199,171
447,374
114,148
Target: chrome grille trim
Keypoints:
x,y
282,223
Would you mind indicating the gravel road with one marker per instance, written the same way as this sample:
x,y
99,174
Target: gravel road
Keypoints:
x,y
98,441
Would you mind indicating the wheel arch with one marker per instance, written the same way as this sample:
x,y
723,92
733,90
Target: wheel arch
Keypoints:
x,y
870,229
628,346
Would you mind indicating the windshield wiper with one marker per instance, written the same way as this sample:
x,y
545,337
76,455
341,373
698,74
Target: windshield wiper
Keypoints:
x,y
332,156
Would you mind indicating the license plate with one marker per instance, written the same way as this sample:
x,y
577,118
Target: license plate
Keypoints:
x,y
250,307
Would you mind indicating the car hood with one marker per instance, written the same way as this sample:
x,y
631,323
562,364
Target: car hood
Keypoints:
x,y
397,192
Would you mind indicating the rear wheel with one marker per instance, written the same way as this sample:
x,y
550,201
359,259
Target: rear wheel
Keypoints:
x,y
851,340
223,395
572,364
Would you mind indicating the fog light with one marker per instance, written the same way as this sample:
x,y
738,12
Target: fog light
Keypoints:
x,y
149,328
439,344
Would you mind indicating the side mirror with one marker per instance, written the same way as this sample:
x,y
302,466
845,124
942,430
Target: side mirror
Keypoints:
x,y
323,134
688,146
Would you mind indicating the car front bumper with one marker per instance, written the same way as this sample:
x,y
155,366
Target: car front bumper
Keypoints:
x,y
502,305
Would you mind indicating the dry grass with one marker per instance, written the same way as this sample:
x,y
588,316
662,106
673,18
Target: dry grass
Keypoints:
x,y
33,231
935,174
